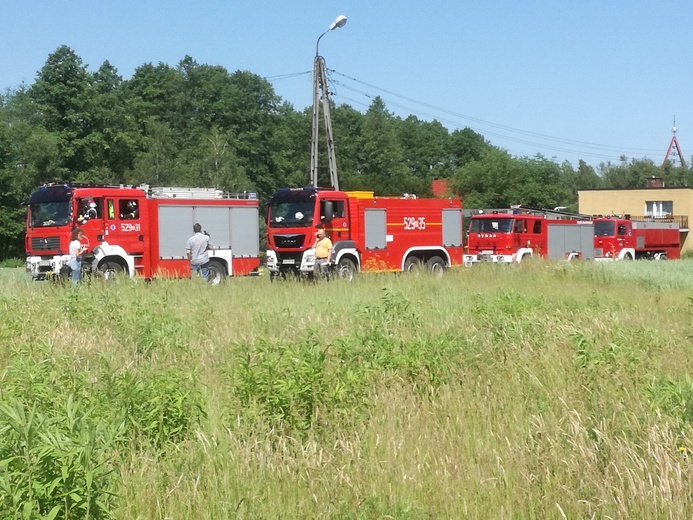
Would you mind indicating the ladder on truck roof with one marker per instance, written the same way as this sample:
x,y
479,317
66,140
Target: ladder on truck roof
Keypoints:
x,y
180,192
550,213
161,192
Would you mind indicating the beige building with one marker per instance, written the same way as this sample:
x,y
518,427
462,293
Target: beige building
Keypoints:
x,y
652,203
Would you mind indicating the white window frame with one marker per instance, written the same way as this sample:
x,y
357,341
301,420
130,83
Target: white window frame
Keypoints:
x,y
659,208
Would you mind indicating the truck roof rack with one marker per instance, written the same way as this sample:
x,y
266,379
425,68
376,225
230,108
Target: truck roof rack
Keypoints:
x,y
549,213
161,192
180,192
83,185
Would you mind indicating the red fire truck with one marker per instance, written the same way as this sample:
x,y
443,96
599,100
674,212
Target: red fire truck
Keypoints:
x,y
369,233
624,239
141,230
507,237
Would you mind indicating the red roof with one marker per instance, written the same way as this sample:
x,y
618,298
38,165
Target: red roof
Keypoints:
x,y
441,188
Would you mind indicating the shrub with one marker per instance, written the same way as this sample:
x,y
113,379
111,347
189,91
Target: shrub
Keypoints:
x,y
155,408
54,465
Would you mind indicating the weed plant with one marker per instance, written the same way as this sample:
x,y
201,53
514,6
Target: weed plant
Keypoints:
x,y
543,390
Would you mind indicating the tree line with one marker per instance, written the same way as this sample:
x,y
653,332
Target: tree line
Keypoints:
x,y
201,125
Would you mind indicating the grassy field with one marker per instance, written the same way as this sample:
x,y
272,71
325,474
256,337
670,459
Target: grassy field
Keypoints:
x,y
545,390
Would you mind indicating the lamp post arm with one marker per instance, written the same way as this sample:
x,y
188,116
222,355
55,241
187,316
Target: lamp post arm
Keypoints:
x,y
317,43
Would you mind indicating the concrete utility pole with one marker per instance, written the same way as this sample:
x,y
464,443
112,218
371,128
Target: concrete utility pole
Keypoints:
x,y
321,96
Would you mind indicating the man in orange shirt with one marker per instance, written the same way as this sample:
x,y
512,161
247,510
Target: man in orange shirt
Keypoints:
x,y
323,252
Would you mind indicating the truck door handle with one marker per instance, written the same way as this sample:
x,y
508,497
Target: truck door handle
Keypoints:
x,y
99,238
140,238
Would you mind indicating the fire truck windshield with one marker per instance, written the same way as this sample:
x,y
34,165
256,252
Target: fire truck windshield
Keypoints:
x,y
291,210
604,228
50,207
49,214
491,225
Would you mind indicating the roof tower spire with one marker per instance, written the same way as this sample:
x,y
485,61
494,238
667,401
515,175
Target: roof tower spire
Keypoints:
x,y
674,155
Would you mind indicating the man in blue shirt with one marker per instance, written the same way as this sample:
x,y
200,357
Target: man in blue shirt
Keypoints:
x,y
196,249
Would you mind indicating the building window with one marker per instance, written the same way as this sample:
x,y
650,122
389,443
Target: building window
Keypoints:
x,y
659,208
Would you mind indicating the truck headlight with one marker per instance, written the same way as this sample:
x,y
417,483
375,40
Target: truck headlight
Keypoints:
x,y
271,259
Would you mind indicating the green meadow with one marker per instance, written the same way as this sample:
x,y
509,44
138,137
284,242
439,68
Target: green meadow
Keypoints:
x,y
541,390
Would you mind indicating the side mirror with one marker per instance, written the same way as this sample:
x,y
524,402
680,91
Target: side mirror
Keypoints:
x,y
329,211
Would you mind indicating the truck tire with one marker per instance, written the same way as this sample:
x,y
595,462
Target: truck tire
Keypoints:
x,y
217,273
436,266
111,270
412,265
346,269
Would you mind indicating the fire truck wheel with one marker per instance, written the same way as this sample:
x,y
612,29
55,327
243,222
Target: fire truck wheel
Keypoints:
x,y
346,269
110,270
217,273
412,265
436,265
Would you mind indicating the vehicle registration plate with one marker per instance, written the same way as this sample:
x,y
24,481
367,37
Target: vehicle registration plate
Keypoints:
x,y
288,261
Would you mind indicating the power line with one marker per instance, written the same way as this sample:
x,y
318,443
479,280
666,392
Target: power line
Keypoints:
x,y
556,144
287,76
476,129
496,125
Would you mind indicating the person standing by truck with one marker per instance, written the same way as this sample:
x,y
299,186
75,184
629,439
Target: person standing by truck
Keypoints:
x,y
196,249
77,249
323,252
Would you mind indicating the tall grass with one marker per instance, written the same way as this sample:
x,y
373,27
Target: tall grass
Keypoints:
x,y
545,390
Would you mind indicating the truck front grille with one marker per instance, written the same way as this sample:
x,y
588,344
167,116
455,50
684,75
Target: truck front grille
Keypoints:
x,y
43,244
289,241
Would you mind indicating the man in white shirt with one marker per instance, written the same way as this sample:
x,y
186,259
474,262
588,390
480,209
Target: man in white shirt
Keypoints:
x,y
196,249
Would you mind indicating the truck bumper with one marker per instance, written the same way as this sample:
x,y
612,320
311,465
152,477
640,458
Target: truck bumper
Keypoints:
x,y
41,267
469,260
297,263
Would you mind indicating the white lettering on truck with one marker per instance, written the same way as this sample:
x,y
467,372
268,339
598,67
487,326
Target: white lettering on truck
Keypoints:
x,y
414,223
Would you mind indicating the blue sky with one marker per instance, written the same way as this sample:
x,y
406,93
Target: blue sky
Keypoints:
x,y
591,80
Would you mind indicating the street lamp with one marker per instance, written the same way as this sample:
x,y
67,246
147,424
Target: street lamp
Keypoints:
x,y
320,93
339,22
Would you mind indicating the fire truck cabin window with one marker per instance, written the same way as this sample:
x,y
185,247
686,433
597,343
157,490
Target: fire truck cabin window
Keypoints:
x,y
128,209
50,207
537,227
520,226
337,208
488,225
604,228
49,214
90,208
289,209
